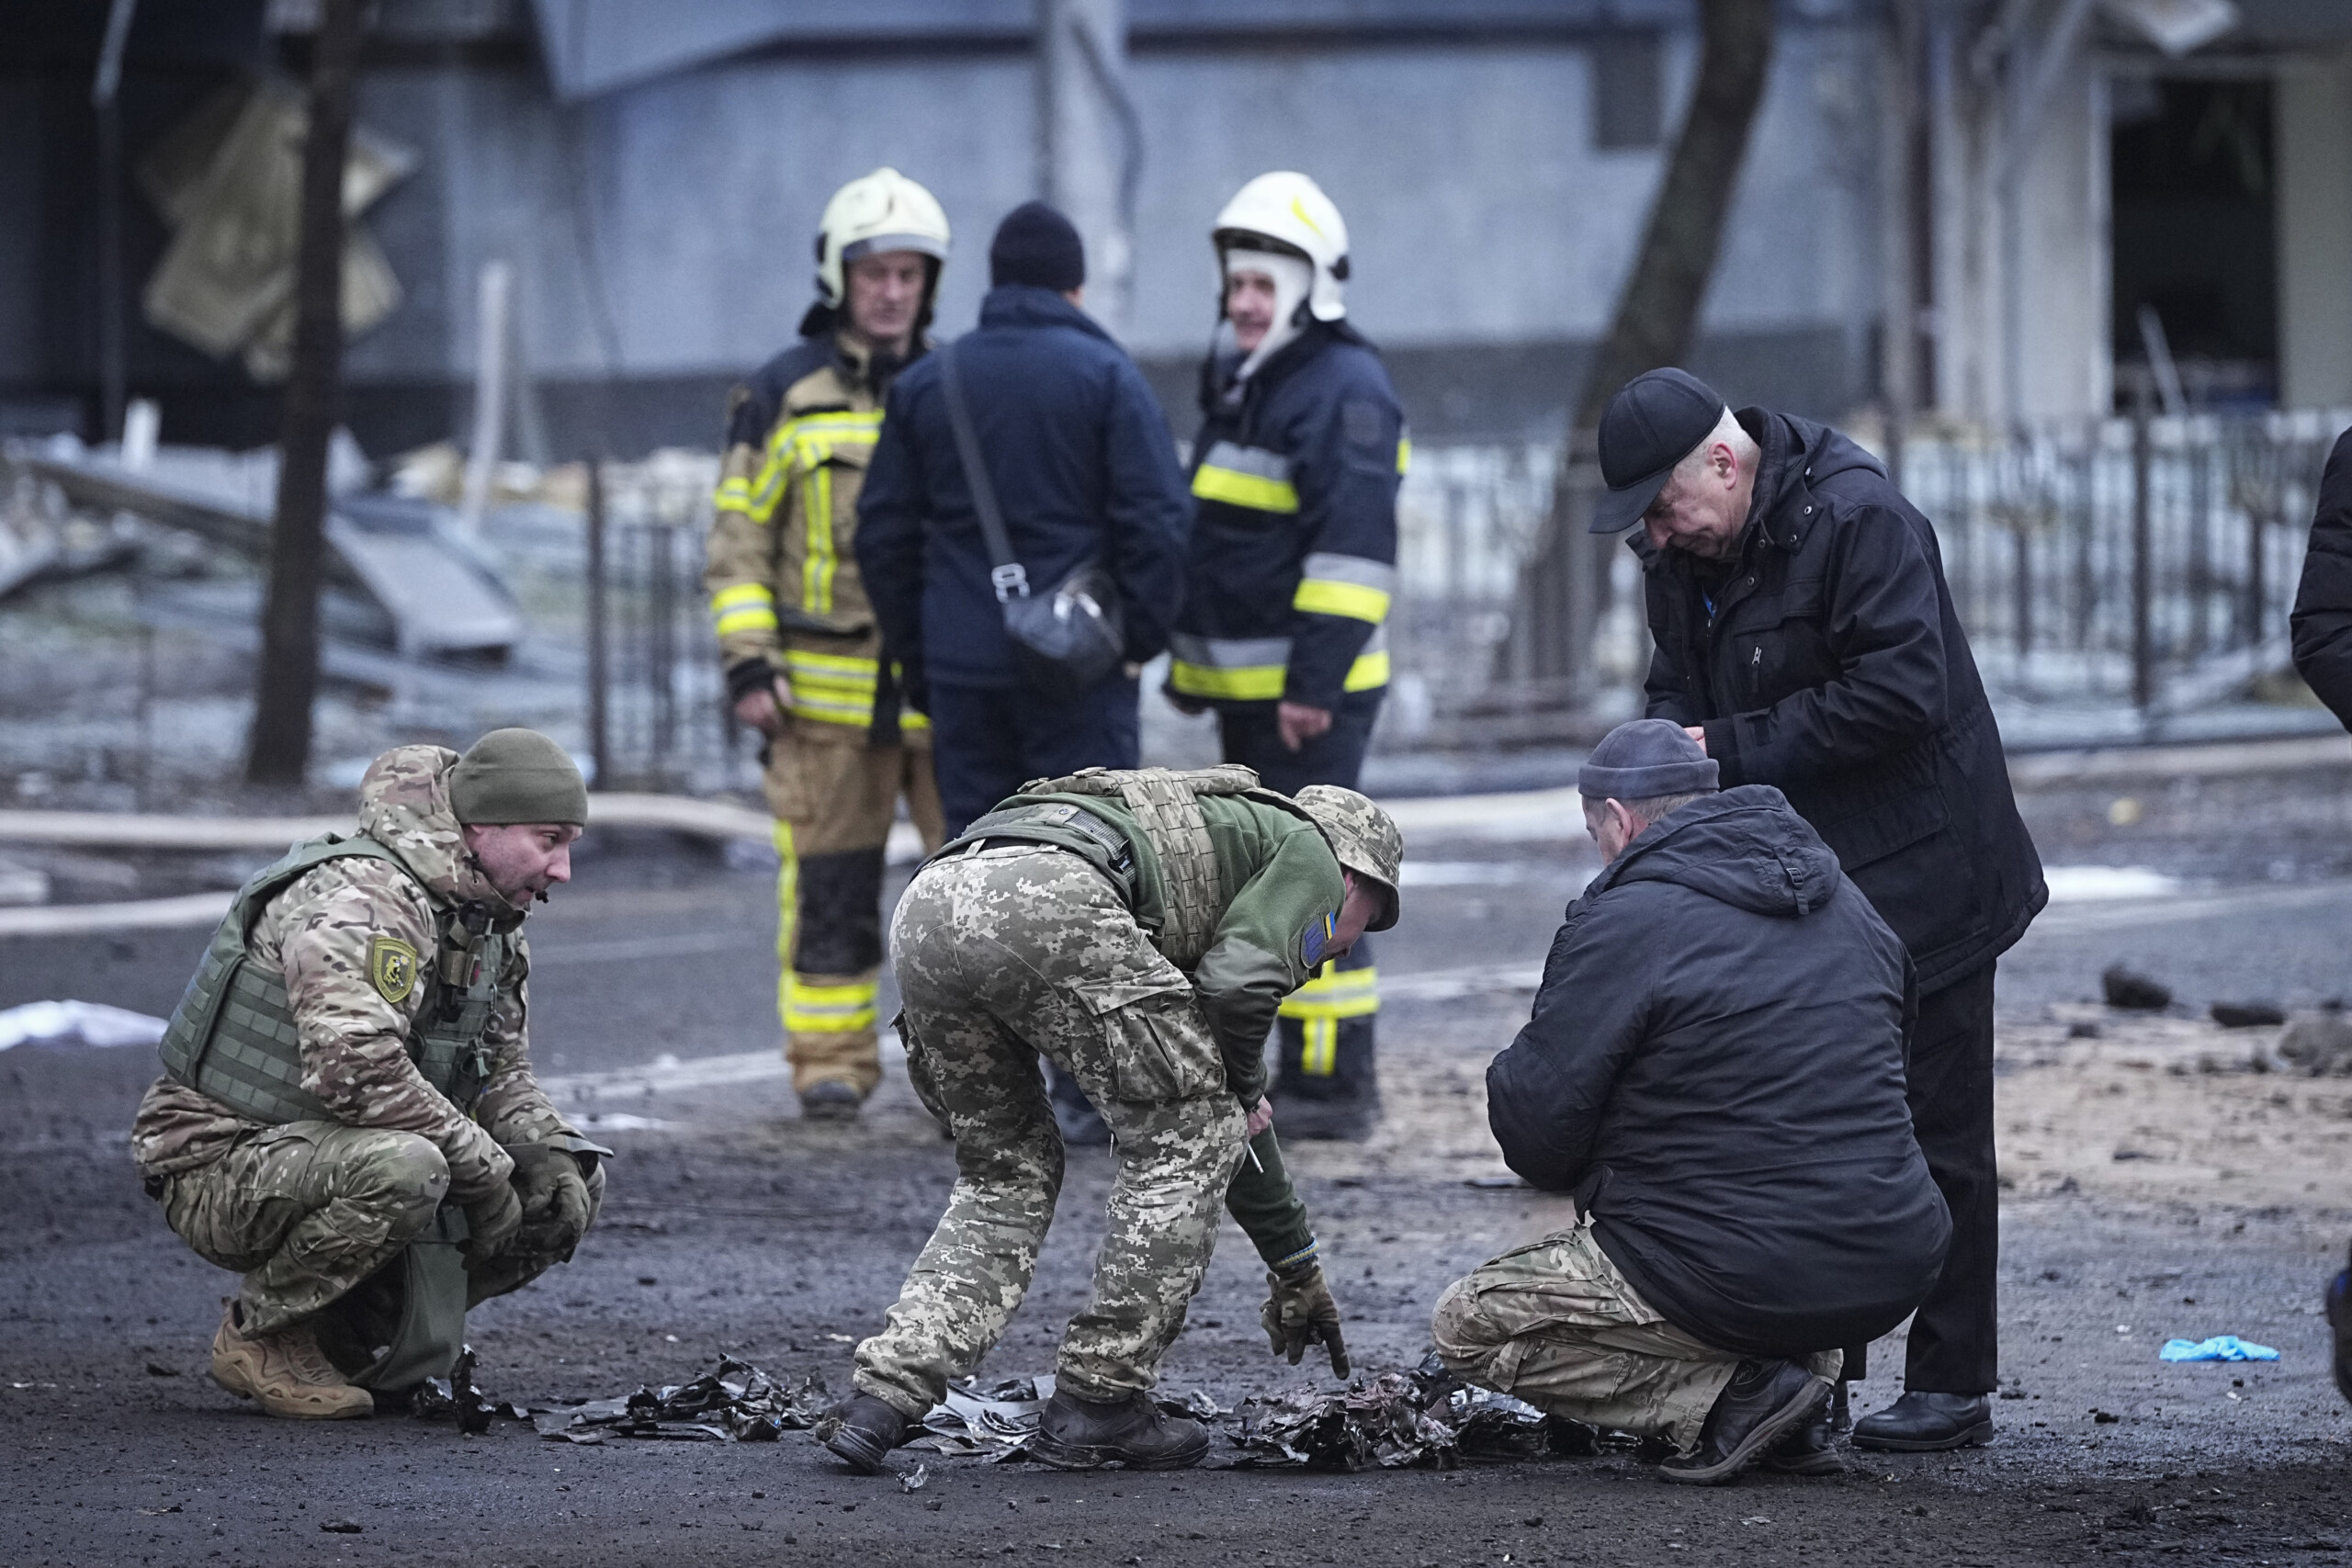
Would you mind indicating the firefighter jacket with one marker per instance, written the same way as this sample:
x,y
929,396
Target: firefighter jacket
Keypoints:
x,y
785,597
1294,551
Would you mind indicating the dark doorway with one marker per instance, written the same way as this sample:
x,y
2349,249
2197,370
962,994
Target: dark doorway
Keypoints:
x,y
2193,238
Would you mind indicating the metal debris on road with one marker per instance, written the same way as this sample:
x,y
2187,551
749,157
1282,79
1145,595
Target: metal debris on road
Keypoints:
x,y
459,1399
1423,1418
735,1403
996,1422
914,1480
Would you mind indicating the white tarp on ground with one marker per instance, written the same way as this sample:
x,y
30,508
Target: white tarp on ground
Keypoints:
x,y
76,1023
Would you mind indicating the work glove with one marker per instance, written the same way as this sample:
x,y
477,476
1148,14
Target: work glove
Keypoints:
x,y
1299,1311
556,1198
492,1221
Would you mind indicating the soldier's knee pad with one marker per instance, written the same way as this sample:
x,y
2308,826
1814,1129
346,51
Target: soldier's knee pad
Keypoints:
x,y
401,1176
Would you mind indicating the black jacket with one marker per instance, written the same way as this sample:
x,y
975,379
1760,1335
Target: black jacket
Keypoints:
x,y
1084,469
2322,618
1831,664
1294,552
1714,1067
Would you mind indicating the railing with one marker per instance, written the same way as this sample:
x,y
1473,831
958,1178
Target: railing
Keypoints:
x,y
2149,563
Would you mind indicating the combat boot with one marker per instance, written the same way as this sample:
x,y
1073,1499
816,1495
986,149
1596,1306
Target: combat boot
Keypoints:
x,y
1762,1403
862,1430
1085,1434
286,1372
829,1101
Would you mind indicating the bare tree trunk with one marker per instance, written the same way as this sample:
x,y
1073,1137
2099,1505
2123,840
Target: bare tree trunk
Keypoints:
x,y
289,677
1655,316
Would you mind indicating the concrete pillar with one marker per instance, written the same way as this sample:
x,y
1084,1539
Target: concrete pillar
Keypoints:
x,y
1089,150
2314,108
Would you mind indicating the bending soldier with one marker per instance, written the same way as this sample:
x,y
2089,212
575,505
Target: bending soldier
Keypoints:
x,y
1137,930
348,1115
804,658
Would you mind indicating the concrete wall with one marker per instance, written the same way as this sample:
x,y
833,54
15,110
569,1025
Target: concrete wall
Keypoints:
x,y
2315,129
661,233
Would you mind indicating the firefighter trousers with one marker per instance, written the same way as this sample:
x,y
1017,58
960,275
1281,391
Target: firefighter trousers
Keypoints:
x,y
834,797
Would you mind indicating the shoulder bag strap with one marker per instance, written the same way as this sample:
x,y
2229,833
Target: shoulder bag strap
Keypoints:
x,y
1009,580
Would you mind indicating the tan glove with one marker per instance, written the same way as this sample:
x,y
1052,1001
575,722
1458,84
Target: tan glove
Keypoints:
x,y
492,1221
556,1198
1299,1311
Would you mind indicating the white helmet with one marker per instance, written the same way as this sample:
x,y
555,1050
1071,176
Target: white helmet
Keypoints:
x,y
1287,211
874,213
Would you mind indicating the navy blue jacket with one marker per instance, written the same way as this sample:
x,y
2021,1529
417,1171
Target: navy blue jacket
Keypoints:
x,y
1714,1066
1084,469
1826,659
2322,618
1293,556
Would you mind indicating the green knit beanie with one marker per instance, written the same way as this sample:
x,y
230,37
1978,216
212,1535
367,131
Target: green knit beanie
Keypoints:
x,y
517,775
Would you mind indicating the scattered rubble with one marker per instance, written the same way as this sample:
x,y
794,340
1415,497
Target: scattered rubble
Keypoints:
x,y
735,1403
1423,1418
2319,1043
2134,992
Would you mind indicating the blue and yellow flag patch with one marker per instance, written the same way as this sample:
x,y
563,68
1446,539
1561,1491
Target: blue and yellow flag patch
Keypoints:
x,y
1315,939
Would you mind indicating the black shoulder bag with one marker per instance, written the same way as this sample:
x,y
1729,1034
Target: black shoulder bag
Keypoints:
x,y
1068,639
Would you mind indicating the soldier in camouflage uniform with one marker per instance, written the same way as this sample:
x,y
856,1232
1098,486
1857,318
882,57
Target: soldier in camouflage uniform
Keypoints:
x,y
1137,930
348,1115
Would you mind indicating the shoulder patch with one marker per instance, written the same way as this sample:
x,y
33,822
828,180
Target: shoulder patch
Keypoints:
x,y
392,966
1315,939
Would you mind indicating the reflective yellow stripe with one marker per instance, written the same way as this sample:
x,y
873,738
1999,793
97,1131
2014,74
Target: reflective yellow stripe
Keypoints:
x,y
1255,684
827,1010
1319,1047
817,569
832,688
1252,490
1404,453
1335,993
787,919
1321,596
733,495
1368,671
745,607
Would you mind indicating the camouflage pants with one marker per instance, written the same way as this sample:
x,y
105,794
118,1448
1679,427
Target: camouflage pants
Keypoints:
x,y
1004,954
309,1211
1554,1323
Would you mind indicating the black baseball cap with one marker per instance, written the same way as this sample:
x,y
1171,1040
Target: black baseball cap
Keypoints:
x,y
1655,420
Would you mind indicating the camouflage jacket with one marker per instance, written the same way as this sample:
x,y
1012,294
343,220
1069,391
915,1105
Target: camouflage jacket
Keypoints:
x,y
355,1042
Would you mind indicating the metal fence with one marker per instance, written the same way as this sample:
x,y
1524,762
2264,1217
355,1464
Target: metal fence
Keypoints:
x,y
2148,562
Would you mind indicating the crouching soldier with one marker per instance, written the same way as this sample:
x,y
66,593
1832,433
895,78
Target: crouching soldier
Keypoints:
x,y
1714,1067
348,1115
1138,929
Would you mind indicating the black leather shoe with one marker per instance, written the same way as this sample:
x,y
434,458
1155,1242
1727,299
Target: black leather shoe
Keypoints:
x,y
1085,1434
862,1430
1924,1423
2339,1323
1808,1449
1761,1404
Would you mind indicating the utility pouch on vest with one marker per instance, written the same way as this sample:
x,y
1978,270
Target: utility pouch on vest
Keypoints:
x,y
433,1308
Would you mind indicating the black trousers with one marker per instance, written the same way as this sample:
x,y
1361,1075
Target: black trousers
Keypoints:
x,y
1955,1343
985,742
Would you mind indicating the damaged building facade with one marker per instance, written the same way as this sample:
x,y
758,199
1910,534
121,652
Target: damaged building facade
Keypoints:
x,y
1950,208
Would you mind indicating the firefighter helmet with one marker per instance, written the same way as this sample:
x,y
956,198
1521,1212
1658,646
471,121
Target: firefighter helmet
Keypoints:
x,y
1288,212
875,213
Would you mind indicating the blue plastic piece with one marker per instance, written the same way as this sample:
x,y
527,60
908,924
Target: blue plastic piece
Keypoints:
x,y
2221,1348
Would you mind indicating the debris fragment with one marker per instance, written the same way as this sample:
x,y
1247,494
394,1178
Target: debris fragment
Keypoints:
x,y
2320,1044
997,1421
914,1480
2248,1015
2221,1348
340,1526
157,1370
1425,1417
735,1403
2134,992
460,1401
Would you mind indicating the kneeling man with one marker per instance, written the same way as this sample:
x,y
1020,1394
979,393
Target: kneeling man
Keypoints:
x,y
348,1115
1714,1068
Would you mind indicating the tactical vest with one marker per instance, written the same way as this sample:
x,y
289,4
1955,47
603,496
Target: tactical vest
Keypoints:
x,y
1166,803
233,1037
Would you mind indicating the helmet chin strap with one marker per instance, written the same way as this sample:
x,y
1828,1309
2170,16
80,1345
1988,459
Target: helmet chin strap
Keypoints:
x,y
1292,276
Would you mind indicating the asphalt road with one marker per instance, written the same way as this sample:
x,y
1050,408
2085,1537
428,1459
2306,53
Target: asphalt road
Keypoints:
x,y
734,1226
